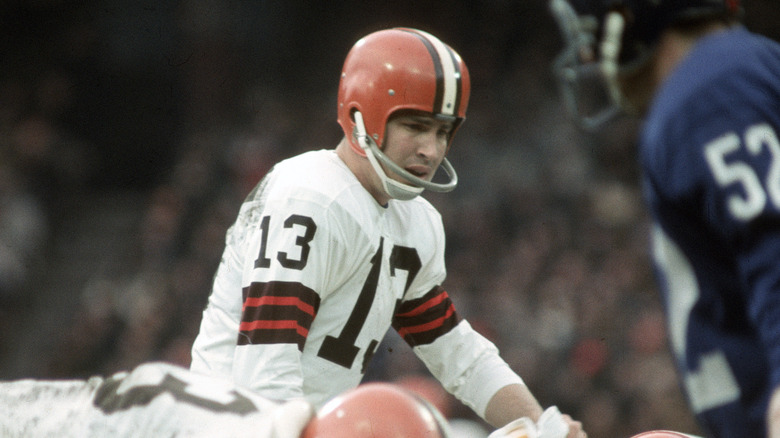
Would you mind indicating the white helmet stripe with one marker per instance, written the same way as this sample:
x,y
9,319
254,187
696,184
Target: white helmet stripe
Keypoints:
x,y
448,87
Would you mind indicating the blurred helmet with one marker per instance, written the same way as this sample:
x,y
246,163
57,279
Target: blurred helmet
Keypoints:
x,y
400,69
377,410
605,37
662,434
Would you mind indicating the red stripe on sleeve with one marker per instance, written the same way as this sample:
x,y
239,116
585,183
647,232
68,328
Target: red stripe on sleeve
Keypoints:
x,y
436,323
425,306
274,325
279,301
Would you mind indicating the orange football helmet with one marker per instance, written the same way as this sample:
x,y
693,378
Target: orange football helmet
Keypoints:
x,y
663,434
400,69
377,410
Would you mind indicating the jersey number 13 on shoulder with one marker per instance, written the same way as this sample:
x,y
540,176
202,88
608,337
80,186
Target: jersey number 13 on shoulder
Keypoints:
x,y
301,241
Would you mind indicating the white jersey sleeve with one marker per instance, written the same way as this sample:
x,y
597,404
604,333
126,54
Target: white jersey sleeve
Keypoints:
x,y
468,366
466,363
153,400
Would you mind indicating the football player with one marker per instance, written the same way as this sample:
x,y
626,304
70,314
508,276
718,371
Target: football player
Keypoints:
x,y
162,400
152,400
335,246
709,92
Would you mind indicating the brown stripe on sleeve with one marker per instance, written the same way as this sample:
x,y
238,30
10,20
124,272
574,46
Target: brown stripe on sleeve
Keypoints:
x,y
277,312
422,320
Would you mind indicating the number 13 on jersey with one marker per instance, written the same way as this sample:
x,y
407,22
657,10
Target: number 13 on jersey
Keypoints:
x,y
341,349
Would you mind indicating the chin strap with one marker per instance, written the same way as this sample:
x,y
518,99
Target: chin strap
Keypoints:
x,y
397,189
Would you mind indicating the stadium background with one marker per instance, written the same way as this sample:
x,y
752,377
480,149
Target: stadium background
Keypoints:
x,y
131,130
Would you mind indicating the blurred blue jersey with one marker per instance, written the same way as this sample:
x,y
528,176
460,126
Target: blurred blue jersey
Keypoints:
x,y
710,151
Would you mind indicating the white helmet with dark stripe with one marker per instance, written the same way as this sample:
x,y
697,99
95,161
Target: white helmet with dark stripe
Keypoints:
x,y
400,69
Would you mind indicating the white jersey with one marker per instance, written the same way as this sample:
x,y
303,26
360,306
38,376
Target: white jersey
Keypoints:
x,y
154,400
313,275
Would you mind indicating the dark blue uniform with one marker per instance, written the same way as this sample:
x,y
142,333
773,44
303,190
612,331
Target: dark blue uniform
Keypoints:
x,y
710,150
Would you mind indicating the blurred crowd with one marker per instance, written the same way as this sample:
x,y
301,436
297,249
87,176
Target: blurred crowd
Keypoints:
x,y
129,137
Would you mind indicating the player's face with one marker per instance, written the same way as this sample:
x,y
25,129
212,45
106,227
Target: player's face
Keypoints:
x,y
417,142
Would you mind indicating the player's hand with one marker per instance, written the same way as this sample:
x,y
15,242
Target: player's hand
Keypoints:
x,y
551,424
773,416
575,428
521,428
